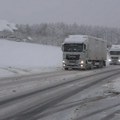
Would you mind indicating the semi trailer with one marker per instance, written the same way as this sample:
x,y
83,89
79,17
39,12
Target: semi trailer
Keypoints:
x,y
84,52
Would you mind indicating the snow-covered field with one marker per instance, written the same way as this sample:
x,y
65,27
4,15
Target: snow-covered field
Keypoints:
x,y
18,58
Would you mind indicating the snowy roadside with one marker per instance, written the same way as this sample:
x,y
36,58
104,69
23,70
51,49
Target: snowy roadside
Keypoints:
x,y
6,72
19,58
113,86
17,87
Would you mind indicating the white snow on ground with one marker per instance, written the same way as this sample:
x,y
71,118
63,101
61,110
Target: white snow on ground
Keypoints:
x,y
116,85
4,72
21,58
113,86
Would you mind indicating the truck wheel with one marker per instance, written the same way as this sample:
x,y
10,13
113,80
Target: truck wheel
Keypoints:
x,y
104,63
87,67
101,64
91,67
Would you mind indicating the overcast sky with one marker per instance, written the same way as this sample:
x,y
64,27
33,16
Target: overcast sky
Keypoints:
x,y
88,12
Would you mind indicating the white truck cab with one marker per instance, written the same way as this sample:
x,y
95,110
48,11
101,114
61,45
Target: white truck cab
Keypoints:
x,y
83,52
114,54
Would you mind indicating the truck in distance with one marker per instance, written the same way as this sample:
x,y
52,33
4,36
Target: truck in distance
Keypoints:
x,y
84,52
114,55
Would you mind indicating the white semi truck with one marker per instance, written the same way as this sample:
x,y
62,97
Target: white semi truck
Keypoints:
x,y
84,52
114,55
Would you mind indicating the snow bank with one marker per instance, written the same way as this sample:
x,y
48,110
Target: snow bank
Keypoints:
x,y
23,57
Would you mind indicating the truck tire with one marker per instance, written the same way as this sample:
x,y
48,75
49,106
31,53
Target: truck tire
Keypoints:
x,y
101,64
92,66
104,63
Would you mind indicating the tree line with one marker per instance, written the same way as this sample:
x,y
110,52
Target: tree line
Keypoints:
x,y
55,33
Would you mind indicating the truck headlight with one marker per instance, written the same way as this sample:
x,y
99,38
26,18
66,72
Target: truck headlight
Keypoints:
x,y
81,65
63,61
109,60
82,62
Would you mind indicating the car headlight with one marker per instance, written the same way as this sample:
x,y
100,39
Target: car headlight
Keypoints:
x,y
82,62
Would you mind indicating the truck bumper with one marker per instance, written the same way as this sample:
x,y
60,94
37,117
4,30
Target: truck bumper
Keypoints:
x,y
114,63
80,66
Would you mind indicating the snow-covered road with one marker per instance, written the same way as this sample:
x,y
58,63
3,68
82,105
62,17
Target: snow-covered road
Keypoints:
x,y
60,95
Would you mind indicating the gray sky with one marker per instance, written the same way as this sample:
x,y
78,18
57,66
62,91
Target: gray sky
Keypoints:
x,y
88,12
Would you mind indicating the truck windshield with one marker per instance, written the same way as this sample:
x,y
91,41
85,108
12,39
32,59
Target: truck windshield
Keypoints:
x,y
114,52
73,47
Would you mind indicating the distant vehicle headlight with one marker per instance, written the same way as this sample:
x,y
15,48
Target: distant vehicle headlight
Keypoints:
x,y
109,60
119,60
82,62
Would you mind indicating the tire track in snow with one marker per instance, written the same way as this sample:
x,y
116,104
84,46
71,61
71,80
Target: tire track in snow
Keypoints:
x,y
53,101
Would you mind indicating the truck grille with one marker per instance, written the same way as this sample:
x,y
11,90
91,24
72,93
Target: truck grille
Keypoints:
x,y
114,58
72,57
72,61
